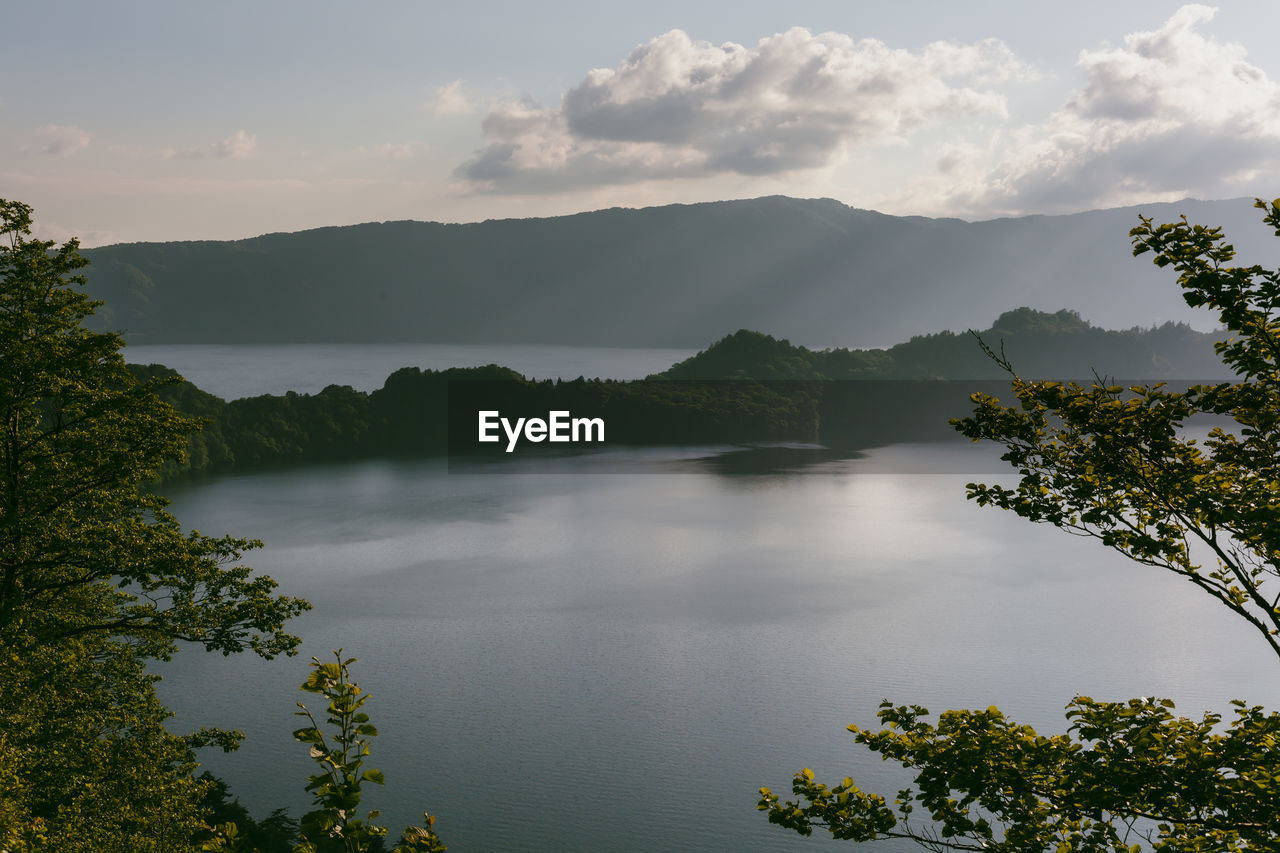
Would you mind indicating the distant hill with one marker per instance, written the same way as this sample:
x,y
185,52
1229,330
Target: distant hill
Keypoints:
x,y
1059,345
696,401
814,271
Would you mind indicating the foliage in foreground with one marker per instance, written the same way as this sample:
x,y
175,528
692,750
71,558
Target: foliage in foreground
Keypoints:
x,y
85,548
337,787
1110,463
1125,772
86,763
96,578
275,833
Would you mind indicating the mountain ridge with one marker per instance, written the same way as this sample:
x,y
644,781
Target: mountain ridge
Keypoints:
x,y
813,270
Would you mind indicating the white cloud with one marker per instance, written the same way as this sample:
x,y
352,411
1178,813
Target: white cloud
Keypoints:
x,y
676,108
239,145
1171,113
397,150
60,140
450,100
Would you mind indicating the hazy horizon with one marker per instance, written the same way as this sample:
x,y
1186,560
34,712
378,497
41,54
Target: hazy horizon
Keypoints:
x,y
146,121
972,221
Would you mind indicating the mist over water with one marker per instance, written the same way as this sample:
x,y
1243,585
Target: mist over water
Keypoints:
x,y
576,661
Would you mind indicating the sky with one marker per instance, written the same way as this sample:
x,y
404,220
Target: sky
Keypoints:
x,y
139,121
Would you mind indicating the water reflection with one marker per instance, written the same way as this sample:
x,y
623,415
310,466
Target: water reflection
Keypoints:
x,y
773,459
569,662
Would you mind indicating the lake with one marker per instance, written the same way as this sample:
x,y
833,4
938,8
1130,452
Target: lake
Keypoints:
x,y
614,652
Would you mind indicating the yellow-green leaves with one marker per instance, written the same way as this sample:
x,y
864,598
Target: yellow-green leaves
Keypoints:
x,y
336,788
989,783
1114,463
96,578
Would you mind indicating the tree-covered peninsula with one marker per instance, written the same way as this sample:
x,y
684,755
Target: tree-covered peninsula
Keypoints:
x,y
1057,344
747,387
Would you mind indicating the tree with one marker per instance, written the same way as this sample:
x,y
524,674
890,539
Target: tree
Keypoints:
x,y
1113,464
96,578
93,768
84,547
337,787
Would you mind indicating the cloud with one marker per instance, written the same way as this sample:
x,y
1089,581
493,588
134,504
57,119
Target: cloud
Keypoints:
x,y
59,140
239,145
676,108
450,100
397,150
1170,114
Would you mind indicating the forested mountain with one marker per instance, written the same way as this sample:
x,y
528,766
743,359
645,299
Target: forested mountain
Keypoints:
x,y
813,271
1038,344
739,389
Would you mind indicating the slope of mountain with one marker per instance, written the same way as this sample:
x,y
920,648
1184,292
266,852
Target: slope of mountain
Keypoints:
x,y
814,271
1059,345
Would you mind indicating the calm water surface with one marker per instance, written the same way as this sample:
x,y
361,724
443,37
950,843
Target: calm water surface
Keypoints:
x,y
233,371
574,661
